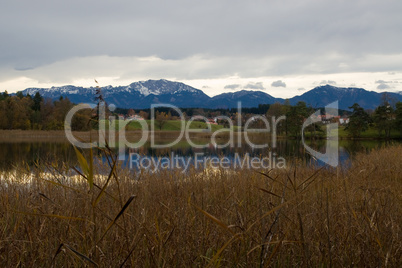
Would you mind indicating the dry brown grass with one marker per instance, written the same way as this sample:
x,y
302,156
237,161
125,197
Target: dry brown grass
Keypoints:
x,y
294,217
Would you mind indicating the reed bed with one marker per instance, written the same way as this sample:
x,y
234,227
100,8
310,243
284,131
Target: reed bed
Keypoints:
x,y
299,216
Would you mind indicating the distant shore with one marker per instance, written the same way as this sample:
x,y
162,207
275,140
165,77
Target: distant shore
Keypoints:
x,y
39,135
60,135
86,136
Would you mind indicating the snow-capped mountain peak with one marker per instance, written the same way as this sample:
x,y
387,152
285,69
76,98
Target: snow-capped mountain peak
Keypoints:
x,y
143,94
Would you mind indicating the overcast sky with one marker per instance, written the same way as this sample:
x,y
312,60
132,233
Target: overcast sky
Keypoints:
x,y
280,47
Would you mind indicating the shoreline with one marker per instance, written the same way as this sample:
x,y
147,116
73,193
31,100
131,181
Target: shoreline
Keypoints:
x,y
59,135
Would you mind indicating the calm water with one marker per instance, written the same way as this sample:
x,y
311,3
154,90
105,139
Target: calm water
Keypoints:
x,y
15,154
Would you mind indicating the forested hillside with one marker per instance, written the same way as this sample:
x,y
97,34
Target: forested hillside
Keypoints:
x,y
37,113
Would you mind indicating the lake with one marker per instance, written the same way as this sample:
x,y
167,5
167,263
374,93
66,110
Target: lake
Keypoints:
x,y
18,153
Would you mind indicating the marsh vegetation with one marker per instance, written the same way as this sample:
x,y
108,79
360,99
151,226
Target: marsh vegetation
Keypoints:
x,y
99,215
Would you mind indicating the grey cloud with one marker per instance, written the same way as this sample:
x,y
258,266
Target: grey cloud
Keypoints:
x,y
232,87
301,89
45,32
257,85
327,82
383,86
382,82
278,83
23,68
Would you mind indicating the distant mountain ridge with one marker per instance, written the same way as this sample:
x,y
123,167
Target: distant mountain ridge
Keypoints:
x,y
142,94
248,98
136,95
323,95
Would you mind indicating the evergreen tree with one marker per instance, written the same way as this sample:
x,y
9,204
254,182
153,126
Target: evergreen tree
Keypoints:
x,y
398,117
19,94
276,110
383,119
358,121
295,118
5,95
37,100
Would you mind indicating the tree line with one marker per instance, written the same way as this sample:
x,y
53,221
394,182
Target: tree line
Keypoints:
x,y
385,119
27,112
37,113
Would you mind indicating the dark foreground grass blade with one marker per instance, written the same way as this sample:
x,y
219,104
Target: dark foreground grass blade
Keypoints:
x,y
57,253
118,216
76,253
269,192
82,256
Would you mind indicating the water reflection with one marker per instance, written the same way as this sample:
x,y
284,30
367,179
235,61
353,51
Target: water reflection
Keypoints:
x,y
18,153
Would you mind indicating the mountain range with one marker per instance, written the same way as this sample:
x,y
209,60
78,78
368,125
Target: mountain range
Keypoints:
x,y
140,95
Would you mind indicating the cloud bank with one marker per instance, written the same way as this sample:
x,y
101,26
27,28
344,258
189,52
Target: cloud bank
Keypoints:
x,y
60,42
278,83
